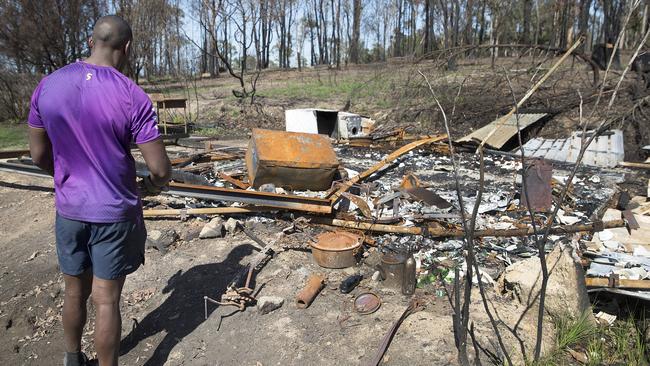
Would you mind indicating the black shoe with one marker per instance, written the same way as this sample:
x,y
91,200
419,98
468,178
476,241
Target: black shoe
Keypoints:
x,y
75,359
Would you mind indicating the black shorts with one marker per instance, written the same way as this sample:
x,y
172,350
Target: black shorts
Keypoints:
x,y
112,250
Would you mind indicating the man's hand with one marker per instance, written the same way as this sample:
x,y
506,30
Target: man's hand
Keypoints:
x,y
155,156
149,188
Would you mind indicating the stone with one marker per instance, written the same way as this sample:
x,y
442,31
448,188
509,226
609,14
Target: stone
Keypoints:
x,y
268,187
161,239
266,304
154,235
213,229
566,293
231,225
191,232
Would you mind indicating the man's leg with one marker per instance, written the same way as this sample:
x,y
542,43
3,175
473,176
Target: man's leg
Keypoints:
x,y
108,322
77,290
116,249
74,260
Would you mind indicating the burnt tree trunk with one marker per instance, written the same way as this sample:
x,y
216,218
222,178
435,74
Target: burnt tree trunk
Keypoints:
x,y
356,31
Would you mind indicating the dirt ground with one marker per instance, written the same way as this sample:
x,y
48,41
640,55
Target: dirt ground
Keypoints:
x,y
163,308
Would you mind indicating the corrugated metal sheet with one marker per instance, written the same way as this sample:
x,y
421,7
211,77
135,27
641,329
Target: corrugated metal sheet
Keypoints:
x,y
605,151
504,132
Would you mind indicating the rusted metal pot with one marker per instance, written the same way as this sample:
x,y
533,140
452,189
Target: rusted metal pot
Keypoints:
x,y
336,249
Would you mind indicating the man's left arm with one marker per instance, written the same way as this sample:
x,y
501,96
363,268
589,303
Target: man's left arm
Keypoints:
x,y
40,149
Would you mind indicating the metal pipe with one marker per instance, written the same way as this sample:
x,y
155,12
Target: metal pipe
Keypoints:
x,y
305,297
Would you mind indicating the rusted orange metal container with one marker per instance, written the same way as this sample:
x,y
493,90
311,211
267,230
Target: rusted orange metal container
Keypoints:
x,y
296,161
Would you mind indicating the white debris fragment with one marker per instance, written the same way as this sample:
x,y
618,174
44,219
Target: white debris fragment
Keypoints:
x,y
31,257
511,247
640,251
213,229
376,276
605,235
611,244
567,219
634,273
351,173
605,318
231,225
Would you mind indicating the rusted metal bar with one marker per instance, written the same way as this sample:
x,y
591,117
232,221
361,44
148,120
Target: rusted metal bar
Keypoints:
x,y
368,226
265,199
414,306
459,233
236,182
205,211
335,193
242,297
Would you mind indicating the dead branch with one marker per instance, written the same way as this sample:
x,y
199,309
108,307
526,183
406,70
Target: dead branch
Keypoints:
x,y
531,213
470,239
627,68
460,330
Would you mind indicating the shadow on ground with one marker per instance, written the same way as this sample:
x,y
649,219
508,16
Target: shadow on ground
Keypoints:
x,y
28,187
182,312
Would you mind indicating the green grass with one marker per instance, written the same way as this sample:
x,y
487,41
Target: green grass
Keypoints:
x,y
619,344
572,332
13,136
322,90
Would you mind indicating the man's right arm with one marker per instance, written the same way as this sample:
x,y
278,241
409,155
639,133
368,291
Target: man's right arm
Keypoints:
x,y
145,134
155,156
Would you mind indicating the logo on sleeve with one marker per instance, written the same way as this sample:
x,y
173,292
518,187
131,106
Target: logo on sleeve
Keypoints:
x,y
89,76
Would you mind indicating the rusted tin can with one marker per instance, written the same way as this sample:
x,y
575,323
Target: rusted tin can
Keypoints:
x,y
392,270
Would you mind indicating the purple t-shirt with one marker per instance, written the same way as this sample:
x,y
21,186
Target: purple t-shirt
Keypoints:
x,y
92,114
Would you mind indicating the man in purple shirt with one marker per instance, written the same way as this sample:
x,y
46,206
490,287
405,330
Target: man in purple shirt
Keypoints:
x,y
83,120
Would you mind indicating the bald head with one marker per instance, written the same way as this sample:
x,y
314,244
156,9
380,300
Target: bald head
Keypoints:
x,y
111,31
